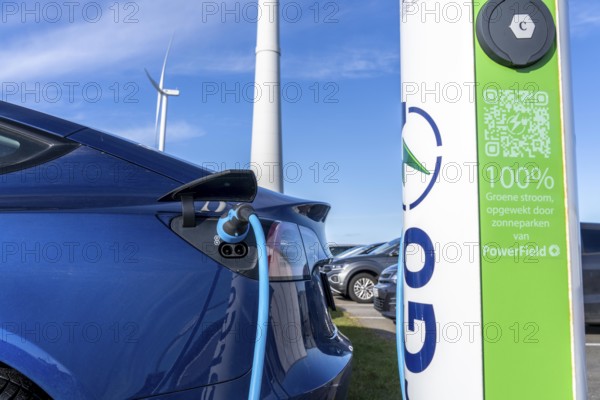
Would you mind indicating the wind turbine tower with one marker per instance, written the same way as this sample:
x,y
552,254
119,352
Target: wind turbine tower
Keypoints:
x,y
162,102
266,122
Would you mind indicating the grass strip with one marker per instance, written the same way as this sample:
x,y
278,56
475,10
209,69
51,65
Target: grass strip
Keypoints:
x,y
374,365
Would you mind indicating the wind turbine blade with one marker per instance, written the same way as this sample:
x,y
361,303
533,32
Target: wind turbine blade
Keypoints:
x,y
162,75
156,86
158,101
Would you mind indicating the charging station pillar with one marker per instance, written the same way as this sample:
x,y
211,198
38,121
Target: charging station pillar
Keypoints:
x,y
493,298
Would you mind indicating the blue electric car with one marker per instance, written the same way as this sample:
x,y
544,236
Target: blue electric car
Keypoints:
x,y
111,288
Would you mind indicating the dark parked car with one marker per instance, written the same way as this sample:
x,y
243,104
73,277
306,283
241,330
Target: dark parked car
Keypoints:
x,y
109,293
590,241
384,293
385,290
355,277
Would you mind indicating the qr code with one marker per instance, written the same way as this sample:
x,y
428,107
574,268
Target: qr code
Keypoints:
x,y
516,124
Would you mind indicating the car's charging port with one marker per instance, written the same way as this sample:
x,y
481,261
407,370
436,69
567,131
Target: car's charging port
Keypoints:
x,y
227,250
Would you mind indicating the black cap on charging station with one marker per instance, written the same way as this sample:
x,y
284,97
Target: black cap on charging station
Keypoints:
x,y
516,33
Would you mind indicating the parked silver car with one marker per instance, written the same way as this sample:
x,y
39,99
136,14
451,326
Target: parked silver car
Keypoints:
x,y
354,277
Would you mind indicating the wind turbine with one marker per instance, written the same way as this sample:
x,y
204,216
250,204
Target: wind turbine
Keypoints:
x,y
161,104
266,154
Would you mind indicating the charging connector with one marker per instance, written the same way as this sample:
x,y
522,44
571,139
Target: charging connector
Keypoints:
x,y
233,227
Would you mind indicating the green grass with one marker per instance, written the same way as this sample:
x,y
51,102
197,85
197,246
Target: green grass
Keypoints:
x,y
375,365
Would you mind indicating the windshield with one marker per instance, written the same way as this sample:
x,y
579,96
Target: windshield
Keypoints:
x,y
372,247
351,252
387,247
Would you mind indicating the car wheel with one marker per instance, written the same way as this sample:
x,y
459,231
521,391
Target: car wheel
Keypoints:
x,y
361,288
17,386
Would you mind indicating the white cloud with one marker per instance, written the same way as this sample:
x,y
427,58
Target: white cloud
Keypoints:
x,y
224,63
84,50
349,64
69,48
584,16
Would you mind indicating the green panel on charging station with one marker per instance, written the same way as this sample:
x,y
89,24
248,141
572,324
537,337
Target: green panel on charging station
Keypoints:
x,y
524,254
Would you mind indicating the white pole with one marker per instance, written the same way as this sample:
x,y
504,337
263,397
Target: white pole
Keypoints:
x,y
157,119
266,154
163,124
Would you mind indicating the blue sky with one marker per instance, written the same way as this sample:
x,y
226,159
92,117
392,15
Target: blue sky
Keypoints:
x,y
340,76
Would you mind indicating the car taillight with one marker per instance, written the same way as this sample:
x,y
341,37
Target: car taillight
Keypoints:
x,y
287,257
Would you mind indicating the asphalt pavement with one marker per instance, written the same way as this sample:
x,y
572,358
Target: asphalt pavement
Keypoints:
x,y
368,317
592,352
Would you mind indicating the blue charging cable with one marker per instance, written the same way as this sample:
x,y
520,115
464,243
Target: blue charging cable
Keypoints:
x,y
233,227
400,346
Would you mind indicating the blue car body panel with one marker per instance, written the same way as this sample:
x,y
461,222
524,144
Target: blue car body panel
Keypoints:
x,y
100,299
83,178
140,155
33,119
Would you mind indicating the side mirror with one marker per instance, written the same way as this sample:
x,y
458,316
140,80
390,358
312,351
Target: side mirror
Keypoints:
x,y
394,253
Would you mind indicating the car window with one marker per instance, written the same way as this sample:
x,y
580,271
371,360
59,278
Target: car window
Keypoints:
x,y
21,149
373,248
335,249
387,247
8,146
590,239
351,252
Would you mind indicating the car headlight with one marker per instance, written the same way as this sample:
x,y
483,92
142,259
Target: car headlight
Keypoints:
x,y
338,266
394,278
